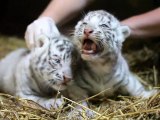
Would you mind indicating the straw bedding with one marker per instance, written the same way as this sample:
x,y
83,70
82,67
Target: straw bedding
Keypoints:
x,y
144,61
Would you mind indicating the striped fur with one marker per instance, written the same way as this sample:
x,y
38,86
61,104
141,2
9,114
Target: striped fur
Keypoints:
x,y
99,37
37,75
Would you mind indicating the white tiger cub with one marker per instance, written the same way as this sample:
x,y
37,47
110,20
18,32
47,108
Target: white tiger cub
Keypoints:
x,y
37,75
99,37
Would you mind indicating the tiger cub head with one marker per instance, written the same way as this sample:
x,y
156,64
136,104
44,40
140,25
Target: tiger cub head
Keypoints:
x,y
99,33
53,60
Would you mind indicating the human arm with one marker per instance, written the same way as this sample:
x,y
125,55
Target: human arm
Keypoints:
x,y
144,25
56,12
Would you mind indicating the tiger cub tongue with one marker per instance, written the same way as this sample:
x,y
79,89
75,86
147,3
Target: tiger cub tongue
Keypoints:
x,y
89,46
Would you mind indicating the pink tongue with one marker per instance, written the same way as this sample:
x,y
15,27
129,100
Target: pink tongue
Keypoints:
x,y
88,45
94,47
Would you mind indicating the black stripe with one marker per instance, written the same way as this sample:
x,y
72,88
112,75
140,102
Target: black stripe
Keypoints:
x,y
52,71
51,64
125,83
119,83
56,40
44,61
89,70
83,81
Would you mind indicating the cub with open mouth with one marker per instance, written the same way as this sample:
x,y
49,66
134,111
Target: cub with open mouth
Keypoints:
x,y
99,37
96,37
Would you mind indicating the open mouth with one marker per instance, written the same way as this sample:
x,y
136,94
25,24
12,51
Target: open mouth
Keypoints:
x,y
89,47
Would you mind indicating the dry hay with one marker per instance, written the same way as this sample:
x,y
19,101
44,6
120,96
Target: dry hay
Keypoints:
x,y
130,108
8,44
121,108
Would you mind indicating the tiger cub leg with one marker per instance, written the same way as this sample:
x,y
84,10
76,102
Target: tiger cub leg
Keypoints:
x,y
135,88
47,103
77,94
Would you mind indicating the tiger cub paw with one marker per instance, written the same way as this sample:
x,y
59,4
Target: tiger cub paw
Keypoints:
x,y
53,103
150,93
80,114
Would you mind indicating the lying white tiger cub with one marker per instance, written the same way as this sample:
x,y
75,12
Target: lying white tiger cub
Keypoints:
x,y
38,74
99,37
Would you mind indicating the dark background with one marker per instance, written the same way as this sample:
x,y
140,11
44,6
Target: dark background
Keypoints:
x,y
15,15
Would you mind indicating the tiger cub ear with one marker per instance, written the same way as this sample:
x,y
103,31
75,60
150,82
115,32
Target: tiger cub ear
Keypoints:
x,y
122,32
41,41
125,31
41,45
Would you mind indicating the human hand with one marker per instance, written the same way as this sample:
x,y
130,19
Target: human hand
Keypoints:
x,y
43,25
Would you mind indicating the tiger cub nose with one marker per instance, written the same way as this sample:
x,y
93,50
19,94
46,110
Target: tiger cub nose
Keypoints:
x,y
66,80
88,31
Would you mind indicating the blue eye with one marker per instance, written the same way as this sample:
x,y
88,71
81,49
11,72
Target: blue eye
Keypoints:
x,y
56,59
